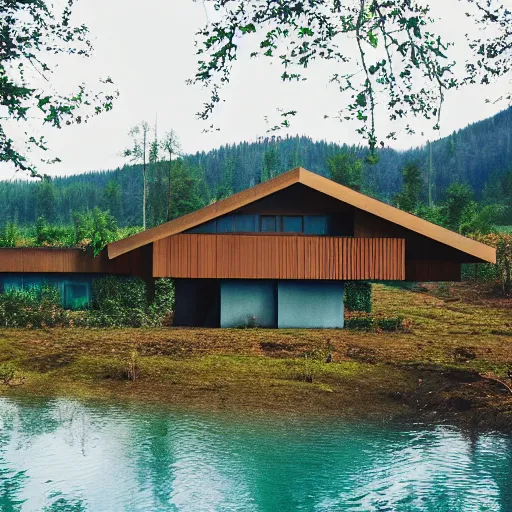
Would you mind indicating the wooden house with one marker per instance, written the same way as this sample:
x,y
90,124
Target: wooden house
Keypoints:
x,y
277,254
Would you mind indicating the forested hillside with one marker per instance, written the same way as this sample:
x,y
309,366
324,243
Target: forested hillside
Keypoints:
x,y
476,155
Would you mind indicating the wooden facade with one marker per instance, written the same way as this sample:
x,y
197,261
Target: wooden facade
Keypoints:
x,y
74,261
256,256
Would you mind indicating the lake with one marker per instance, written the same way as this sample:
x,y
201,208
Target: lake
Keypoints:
x,y
66,455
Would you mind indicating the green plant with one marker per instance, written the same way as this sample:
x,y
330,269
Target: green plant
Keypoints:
x,y
8,373
38,306
123,302
390,323
305,373
358,296
9,235
95,229
360,323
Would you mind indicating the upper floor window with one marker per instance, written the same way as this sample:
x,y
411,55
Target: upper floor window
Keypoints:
x,y
293,224
244,223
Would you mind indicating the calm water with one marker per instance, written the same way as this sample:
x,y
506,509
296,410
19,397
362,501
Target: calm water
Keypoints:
x,y
72,456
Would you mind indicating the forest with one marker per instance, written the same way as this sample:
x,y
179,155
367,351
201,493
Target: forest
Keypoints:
x,y
472,165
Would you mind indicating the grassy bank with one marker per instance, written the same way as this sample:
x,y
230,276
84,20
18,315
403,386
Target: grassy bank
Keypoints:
x,y
433,369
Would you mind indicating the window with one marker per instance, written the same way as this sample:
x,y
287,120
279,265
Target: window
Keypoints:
x,y
246,223
207,227
292,224
316,225
75,296
268,224
225,224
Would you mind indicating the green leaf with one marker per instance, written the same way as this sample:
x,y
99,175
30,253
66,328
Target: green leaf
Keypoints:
x,y
372,38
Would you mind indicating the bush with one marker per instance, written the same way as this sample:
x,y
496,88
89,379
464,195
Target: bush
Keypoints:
x,y
365,323
163,302
370,323
38,306
358,296
390,324
123,302
502,271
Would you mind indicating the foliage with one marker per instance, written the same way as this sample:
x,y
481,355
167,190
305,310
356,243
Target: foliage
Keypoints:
x,y
240,166
370,323
51,235
31,31
172,146
457,202
95,229
386,50
163,300
185,196
358,296
36,307
8,373
123,302
503,244
9,235
360,323
390,323
346,169
409,197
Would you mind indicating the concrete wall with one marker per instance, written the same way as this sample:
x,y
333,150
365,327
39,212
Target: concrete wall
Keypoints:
x,y
245,299
310,304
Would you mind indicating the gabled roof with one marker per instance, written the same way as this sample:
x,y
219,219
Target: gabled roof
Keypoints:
x,y
320,184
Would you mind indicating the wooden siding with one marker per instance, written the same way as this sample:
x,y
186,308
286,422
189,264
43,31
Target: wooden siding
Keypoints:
x,y
69,260
279,257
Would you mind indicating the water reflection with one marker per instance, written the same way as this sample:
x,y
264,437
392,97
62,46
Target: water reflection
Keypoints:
x,y
65,455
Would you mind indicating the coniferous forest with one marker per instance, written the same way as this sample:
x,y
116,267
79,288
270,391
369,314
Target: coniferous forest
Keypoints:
x,y
478,157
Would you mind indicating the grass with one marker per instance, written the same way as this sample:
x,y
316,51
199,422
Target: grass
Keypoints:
x,y
456,332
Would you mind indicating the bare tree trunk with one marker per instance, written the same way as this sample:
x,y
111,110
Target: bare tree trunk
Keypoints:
x,y
169,211
144,185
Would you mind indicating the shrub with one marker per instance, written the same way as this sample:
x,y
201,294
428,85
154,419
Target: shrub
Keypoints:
x,y
369,323
360,323
38,306
163,302
503,268
123,302
358,296
390,324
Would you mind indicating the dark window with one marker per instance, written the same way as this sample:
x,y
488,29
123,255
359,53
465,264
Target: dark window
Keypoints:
x,y
225,224
246,223
316,224
207,227
292,224
268,224
75,296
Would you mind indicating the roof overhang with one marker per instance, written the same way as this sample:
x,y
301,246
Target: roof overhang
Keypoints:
x,y
360,201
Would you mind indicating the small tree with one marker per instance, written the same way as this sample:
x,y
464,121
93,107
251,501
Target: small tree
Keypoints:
x,y
457,204
170,144
409,198
138,153
346,169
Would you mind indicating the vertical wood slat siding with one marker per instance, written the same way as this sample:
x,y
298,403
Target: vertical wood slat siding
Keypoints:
x,y
71,260
279,257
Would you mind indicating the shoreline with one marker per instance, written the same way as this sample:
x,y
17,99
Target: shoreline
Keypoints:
x,y
428,374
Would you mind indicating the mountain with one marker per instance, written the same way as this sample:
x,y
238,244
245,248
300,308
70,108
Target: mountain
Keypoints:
x,y
474,155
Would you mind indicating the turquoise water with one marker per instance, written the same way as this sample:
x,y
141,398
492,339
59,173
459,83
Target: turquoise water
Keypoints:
x,y
72,456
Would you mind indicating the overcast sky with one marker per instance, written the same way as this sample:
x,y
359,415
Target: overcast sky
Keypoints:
x,y
148,49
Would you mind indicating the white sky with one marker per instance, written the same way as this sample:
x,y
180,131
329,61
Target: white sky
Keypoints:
x,y
148,50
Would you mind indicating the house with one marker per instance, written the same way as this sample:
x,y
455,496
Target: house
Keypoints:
x,y
277,254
